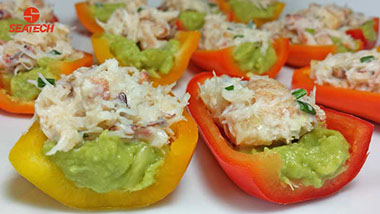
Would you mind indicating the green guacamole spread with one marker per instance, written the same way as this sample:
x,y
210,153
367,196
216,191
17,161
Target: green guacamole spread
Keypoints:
x,y
251,59
21,89
108,164
340,46
192,20
4,28
246,10
318,156
155,60
103,11
368,31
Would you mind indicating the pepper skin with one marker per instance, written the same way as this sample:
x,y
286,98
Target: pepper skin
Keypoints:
x,y
259,174
188,44
361,103
28,160
86,18
9,104
222,62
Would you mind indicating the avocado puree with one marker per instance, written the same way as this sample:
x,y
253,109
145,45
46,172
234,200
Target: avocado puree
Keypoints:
x,y
246,10
154,60
21,89
192,20
368,31
4,28
340,48
103,11
251,59
108,164
318,156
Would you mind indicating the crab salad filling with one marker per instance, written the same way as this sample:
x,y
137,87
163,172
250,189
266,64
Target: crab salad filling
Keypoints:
x,y
357,71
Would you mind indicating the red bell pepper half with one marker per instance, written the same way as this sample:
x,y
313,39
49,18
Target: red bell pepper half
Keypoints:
x,y
222,61
358,34
361,103
259,174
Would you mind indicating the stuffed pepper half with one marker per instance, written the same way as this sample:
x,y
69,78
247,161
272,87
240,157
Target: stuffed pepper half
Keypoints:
x,y
91,12
277,144
238,49
105,138
26,57
348,82
322,29
147,39
258,11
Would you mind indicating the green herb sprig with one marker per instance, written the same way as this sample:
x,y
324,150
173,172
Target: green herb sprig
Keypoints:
x,y
42,84
305,107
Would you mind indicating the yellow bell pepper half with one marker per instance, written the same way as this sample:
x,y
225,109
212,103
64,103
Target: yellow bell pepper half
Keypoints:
x,y
27,158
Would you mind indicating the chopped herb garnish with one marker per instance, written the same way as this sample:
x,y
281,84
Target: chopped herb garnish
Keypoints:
x,y
55,52
367,59
310,30
229,28
42,84
299,93
85,135
140,9
211,4
306,107
230,88
97,4
238,36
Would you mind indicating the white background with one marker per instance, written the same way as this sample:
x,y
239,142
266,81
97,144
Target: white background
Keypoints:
x,y
204,187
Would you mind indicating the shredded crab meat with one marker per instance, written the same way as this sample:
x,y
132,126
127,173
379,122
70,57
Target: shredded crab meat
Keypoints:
x,y
107,97
181,5
258,112
346,70
24,49
218,33
318,25
149,26
16,8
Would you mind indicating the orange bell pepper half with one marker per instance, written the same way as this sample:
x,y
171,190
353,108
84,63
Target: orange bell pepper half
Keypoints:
x,y
226,9
222,62
361,103
27,158
12,105
86,18
259,174
188,44
358,34
301,55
